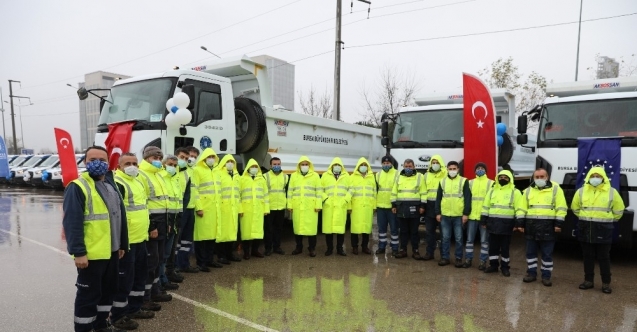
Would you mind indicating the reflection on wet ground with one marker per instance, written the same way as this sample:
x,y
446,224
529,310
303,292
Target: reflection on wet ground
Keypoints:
x,y
299,293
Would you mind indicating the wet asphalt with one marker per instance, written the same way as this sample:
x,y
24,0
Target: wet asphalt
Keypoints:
x,y
300,293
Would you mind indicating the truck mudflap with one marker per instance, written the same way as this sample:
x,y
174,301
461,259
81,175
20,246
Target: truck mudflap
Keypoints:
x,y
622,236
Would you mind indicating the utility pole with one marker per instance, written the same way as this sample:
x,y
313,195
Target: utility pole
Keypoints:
x,y
11,96
579,32
4,131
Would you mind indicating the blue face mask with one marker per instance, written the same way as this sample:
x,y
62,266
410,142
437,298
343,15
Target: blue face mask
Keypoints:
x,y
276,168
409,171
156,163
386,168
182,163
171,170
481,172
97,168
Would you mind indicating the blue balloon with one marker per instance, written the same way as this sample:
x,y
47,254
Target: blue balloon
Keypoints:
x,y
501,128
174,109
500,140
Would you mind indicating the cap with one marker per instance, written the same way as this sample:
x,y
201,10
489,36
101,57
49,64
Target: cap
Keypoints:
x,y
481,164
152,151
386,158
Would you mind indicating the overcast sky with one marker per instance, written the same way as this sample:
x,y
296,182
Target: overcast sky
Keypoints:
x,y
46,44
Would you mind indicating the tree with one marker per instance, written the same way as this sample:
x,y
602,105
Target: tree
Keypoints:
x,y
316,105
9,143
394,89
367,124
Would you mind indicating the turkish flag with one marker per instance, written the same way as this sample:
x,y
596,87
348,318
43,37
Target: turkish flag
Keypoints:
x,y
480,142
68,164
118,141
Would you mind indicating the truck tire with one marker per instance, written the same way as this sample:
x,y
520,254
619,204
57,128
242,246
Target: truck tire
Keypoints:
x,y
505,152
250,126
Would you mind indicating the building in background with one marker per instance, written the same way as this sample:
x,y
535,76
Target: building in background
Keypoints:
x,y
281,76
607,67
90,107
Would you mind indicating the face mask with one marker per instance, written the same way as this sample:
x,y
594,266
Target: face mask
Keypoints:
x,y
363,169
191,161
131,171
276,168
409,171
453,173
156,163
210,162
435,167
305,169
386,168
336,169
182,163
480,172
230,166
595,181
97,168
171,170
503,182
253,171
540,183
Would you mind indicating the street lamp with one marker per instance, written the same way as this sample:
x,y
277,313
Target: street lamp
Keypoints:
x,y
205,49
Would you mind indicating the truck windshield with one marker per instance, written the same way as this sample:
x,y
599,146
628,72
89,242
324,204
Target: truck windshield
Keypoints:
x,y
143,100
592,118
50,161
34,160
429,126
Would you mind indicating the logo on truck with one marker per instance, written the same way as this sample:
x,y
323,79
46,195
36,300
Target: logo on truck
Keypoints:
x,y
324,139
606,85
455,97
281,127
424,158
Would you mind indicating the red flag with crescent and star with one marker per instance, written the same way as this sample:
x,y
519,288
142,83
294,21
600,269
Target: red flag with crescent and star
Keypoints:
x,y
68,164
118,141
480,140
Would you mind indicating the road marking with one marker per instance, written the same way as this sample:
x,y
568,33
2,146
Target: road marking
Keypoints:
x,y
177,296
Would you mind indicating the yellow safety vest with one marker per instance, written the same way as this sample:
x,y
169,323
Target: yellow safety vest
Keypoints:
x,y
452,204
136,210
409,188
385,182
184,177
97,225
175,195
156,188
479,188
432,181
546,203
276,188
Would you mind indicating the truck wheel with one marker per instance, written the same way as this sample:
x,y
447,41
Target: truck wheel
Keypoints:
x,y
505,152
249,120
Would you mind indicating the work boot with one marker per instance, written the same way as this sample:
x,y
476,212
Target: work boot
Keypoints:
x,y
169,286
141,314
235,257
586,285
329,252
428,257
268,252
174,277
416,255
505,272
458,263
214,264
530,278
297,251
190,269
547,282
204,269
491,269
312,252
279,251
110,328
355,250
126,323
246,255
482,266
467,263
401,254
161,298
341,252
443,262
224,260
606,289
380,251
366,251
151,306
394,252
257,254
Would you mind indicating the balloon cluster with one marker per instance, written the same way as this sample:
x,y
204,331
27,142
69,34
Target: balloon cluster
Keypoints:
x,y
178,113
500,130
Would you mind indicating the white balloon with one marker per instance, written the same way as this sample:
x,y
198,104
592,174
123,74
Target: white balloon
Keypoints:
x,y
184,116
181,100
169,104
172,121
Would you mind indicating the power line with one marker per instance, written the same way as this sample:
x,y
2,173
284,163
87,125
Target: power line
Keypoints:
x,y
488,32
50,114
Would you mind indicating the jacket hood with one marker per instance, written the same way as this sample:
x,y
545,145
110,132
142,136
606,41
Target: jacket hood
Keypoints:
x,y
599,170
251,163
222,164
148,167
335,161
205,154
443,165
360,162
302,159
509,175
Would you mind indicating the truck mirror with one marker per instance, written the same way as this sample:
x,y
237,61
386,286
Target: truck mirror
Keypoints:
x,y
522,124
82,93
102,102
522,139
189,89
384,129
498,119
384,141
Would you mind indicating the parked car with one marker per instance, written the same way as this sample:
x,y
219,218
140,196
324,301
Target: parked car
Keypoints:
x,y
52,177
18,173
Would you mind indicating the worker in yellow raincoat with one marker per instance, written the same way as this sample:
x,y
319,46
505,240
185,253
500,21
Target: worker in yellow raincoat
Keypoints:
x,y
205,191
363,191
336,204
304,203
230,209
255,202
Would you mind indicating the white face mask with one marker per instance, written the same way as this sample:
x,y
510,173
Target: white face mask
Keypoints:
x,y
540,183
171,170
210,162
131,171
253,171
230,166
363,169
336,169
435,167
305,169
595,181
191,161
453,173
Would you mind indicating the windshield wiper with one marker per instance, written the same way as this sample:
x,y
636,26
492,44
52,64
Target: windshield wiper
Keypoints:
x,y
445,140
409,144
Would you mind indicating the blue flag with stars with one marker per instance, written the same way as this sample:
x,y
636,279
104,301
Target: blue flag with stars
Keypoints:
x,y
604,152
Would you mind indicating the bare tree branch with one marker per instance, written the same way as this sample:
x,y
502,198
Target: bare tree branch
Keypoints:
x,y
315,105
394,90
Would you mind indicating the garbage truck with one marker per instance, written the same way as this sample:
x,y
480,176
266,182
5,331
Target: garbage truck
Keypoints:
x,y
233,113
605,108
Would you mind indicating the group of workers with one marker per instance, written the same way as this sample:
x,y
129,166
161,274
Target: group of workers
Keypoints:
x,y
131,231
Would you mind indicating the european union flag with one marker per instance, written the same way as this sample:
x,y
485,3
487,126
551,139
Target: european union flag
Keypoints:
x,y
604,152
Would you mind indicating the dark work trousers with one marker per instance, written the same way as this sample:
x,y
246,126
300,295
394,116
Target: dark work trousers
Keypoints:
x,y
354,238
132,281
96,288
602,253
310,238
546,250
272,228
204,252
168,248
329,240
170,262
409,230
499,248
251,246
156,249
225,249
432,239
186,233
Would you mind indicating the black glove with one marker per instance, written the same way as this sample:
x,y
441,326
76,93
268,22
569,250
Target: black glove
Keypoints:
x,y
483,220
